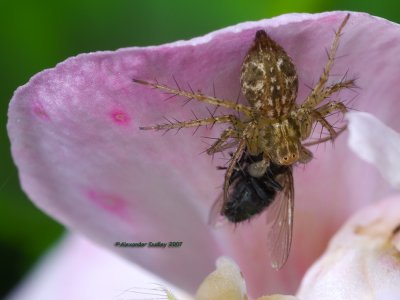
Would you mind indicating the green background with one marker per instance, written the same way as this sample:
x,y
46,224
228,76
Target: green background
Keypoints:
x,y
37,35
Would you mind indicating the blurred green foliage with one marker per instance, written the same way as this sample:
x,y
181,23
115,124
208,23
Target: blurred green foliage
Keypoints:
x,y
37,35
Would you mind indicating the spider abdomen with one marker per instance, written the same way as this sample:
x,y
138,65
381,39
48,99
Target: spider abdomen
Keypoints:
x,y
269,79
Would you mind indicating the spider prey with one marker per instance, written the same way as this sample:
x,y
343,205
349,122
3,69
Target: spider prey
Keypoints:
x,y
249,195
271,131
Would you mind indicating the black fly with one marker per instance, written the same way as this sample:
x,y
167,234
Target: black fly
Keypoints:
x,y
249,196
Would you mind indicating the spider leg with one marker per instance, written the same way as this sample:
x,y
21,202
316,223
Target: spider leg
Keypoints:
x,y
220,144
331,107
327,92
198,96
232,164
326,109
229,145
317,116
325,139
316,95
192,123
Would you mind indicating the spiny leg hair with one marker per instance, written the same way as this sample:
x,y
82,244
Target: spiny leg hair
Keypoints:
x,y
315,96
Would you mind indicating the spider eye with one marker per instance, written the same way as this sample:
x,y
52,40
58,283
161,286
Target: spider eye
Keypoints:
x,y
288,159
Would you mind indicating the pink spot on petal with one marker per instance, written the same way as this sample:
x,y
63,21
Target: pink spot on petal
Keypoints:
x,y
120,117
39,111
112,203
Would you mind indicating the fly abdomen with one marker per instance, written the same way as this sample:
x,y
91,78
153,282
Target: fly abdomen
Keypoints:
x,y
249,195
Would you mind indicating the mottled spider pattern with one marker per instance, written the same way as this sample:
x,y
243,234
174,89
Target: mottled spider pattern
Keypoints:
x,y
271,126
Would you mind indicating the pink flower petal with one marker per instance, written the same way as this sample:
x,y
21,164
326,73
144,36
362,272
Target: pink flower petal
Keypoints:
x,y
278,297
361,261
377,144
78,269
81,158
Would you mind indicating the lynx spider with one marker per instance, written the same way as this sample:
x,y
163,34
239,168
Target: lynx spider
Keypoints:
x,y
273,124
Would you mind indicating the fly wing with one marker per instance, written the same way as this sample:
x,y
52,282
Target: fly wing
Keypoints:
x,y
215,219
280,221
